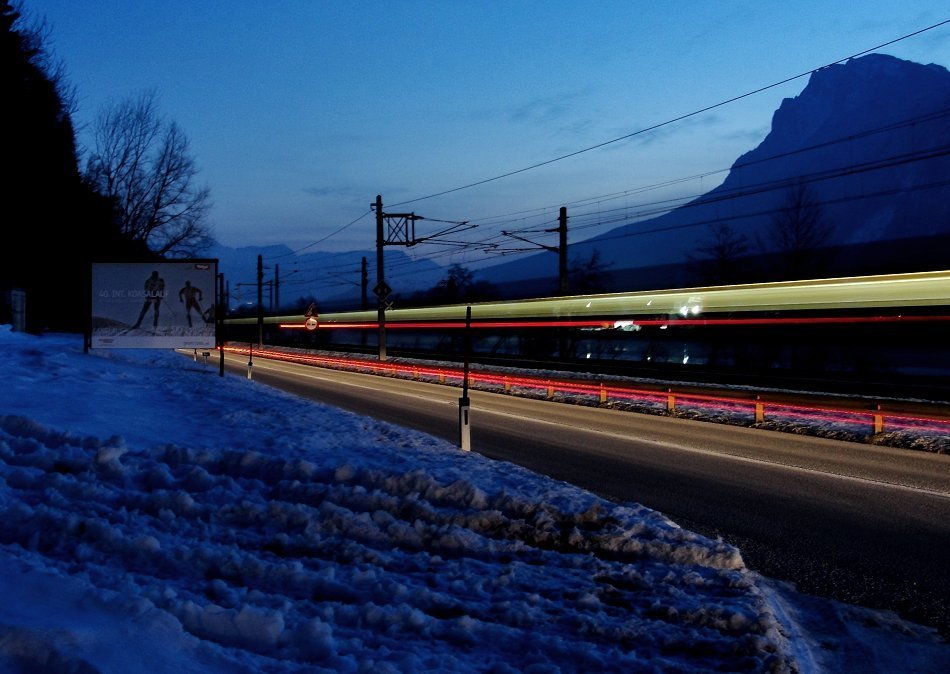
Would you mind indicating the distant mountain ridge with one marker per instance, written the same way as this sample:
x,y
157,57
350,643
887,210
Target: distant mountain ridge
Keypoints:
x,y
869,138
332,279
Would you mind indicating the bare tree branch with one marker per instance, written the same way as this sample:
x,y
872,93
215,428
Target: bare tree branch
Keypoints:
x,y
716,260
798,231
144,165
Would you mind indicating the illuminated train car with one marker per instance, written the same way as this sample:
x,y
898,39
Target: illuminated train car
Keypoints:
x,y
876,334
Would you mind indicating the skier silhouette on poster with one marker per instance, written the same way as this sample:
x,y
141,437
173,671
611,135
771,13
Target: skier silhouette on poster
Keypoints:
x,y
190,296
154,292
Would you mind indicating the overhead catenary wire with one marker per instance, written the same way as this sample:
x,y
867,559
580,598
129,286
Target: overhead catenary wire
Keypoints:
x,y
664,207
534,219
669,121
649,209
659,206
487,244
319,241
626,137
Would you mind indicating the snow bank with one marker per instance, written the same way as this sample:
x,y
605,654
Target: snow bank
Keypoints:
x,y
154,510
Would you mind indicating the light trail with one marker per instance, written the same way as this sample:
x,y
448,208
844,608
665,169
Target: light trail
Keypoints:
x,y
626,324
892,298
551,387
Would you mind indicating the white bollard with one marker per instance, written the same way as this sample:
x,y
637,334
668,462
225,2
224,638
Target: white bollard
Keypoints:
x,y
465,428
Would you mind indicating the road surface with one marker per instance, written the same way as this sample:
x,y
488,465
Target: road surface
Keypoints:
x,y
858,523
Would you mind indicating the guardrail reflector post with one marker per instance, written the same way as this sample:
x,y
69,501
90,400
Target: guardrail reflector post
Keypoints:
x,y
550,391
878,419
670,402
603,394
759,412
507,385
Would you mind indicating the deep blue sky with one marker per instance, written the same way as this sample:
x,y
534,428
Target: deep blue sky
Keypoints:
x,y
300,112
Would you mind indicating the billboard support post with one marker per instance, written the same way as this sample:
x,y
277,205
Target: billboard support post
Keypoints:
x,y
219,317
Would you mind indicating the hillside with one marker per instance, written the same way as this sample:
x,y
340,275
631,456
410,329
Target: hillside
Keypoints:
x,y
868,143
865,143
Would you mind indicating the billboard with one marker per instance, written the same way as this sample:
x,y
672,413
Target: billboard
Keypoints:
x,y
168,304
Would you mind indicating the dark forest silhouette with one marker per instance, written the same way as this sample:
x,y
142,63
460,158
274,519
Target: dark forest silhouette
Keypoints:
x,y
54,223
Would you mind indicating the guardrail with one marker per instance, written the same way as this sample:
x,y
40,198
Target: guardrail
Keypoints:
x,y
752,409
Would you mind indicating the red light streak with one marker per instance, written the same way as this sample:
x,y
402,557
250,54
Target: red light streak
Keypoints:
x,y
614,392
611,324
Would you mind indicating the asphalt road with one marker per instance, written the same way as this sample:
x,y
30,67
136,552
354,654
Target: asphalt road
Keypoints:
x,y
861,524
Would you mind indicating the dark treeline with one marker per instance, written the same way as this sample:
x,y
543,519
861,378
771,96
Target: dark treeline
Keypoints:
x,y
54,224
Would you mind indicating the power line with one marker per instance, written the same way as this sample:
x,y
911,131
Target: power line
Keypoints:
x,y
661,207
319,241
670,121
617,140
672,203
486,245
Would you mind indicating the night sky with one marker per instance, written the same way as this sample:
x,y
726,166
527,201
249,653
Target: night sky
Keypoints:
x,y
299,113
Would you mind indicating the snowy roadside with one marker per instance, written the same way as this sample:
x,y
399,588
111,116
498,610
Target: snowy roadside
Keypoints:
x,y
157,517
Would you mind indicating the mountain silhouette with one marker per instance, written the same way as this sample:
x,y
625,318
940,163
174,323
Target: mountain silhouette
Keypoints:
x,y
867,140
331,278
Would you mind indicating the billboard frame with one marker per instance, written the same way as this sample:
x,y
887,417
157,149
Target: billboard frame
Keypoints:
x,y
177,306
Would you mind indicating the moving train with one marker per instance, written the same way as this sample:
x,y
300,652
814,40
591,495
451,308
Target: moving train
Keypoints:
x,y
880,335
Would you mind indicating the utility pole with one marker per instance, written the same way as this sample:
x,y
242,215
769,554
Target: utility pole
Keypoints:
x,y
260,301
380,278
277,286
398,229
562,249
562,274
220,315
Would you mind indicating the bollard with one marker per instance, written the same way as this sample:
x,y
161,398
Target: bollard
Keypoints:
x,y
465,428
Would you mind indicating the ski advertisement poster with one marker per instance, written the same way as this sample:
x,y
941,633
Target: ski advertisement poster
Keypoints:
x,y
152,305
